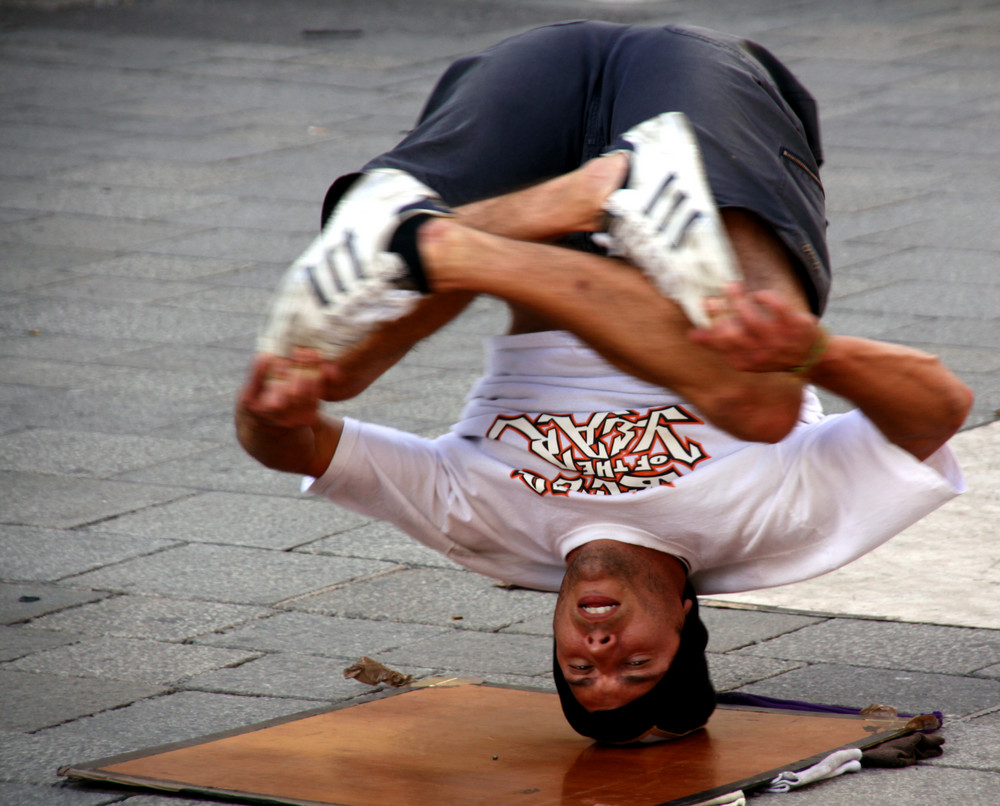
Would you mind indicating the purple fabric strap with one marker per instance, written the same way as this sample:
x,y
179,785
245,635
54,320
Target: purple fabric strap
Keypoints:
x,y
759,701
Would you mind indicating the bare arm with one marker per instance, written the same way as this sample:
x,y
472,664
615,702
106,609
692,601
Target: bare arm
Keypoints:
x,y
913,399
910,396
614,308
354,371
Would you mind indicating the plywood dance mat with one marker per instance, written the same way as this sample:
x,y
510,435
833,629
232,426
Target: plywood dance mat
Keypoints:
x,y
478,744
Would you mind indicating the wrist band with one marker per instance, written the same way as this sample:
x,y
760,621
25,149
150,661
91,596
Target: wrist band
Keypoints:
x,y
815,352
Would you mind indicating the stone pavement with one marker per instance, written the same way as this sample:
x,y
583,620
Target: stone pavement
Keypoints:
x,y
162,162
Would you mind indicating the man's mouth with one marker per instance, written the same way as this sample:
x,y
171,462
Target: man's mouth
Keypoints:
x,y
594,606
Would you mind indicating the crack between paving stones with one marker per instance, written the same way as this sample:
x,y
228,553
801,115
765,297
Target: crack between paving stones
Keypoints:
x,y
334,586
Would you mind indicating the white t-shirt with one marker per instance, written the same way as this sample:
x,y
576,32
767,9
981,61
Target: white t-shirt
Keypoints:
x,y
556,448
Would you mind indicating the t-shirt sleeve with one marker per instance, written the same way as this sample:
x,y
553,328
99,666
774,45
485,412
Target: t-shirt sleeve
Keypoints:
x,y
391,475
844,491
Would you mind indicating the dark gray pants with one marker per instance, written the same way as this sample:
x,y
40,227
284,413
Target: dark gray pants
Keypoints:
x,y
541,103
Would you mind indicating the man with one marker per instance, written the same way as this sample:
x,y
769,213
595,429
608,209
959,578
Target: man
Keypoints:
x,y
610,452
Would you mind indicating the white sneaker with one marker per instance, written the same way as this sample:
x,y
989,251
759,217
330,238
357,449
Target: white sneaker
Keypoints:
x,y
665,220
347,281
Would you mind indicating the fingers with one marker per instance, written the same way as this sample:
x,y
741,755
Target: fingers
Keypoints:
x,y
284,392
757,331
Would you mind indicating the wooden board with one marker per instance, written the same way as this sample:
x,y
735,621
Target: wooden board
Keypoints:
x,y
480,744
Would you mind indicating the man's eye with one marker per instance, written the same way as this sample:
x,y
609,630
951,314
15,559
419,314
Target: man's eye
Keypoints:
x,y
581,667
638,662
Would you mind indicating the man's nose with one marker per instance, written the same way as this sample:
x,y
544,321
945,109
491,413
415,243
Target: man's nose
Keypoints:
x,y
599,639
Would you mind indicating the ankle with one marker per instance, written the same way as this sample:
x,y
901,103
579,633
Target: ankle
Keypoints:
x,y
590,185
440,244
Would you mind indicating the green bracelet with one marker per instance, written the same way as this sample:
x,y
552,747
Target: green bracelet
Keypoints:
x,y
815,352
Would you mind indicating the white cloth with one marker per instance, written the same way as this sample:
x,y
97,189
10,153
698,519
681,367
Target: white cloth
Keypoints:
x,y
837,763
554,440
736,798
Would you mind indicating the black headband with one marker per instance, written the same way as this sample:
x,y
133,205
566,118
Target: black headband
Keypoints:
x,y
680,702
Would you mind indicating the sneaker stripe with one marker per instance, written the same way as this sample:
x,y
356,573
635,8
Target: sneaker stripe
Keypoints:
x,y
694,216
314,284
664,185
332,273
679,200
352,253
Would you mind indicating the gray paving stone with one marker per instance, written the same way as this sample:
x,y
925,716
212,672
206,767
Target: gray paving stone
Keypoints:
x,y
18,641
899,787
153,173
22,602
950,331
217,428
919,647
431,596
24,160
55,374
87,231
252,274
990,719
129,659
147,723
538,625
969,745
193,383
36,701
190,387
225,365
234,244
847,253
235,574
234,519
27,278
874,325
252,301
17,794
284,674
483,653
104,200
968,360
963,265
729,672
731,628
46,555
150,266
266,214
379,541
147,617
311,634
148,323
856,687
92,455
37,499
164,800
53,347
125,289
91,409
226,468
967,300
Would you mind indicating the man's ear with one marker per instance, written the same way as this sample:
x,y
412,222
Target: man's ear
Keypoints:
x,y
688,604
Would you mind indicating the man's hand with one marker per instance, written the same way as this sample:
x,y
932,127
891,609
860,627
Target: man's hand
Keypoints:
x,y
278,417
758,332
281,392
